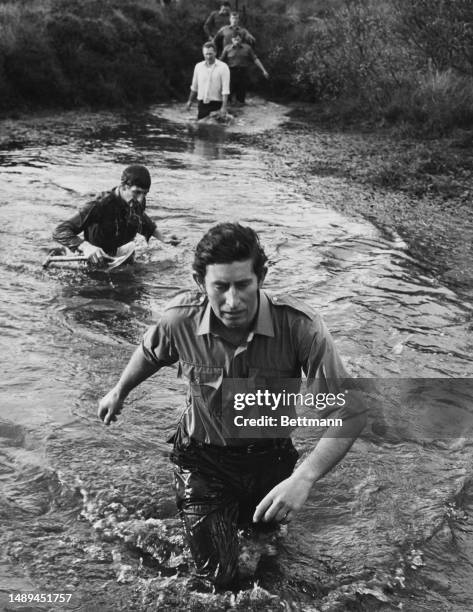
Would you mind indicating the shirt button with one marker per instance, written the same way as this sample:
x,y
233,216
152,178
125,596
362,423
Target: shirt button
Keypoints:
x,y
275,299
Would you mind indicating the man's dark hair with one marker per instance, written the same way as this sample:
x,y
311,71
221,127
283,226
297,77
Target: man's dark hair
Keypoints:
x,y
136,175
228,242
234,14
225,4
209,45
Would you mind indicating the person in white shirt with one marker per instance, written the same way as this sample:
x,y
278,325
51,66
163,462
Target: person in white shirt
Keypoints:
x,y
210,84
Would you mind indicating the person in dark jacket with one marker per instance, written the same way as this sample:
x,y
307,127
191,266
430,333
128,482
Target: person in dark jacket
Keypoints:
x,y
112,219
224,36
217,19
239,56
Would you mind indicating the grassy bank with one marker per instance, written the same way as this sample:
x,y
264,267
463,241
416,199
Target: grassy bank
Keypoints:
x,y
417,188
390,61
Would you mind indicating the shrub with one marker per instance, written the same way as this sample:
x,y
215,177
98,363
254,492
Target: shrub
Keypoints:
x,y
441,32
435,100
391,60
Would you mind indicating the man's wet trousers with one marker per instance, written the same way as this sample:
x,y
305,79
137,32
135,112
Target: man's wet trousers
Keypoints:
x,y
217,491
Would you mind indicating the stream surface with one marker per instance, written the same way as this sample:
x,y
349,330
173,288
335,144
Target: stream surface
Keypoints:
x,y
89,510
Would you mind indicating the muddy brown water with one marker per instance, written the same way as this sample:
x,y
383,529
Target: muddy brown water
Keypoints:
x,y
88,510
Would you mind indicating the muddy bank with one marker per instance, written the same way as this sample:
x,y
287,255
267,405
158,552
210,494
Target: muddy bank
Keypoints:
x,y
419,189
45,129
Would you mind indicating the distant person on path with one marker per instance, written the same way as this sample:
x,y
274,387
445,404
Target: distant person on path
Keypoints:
x,y
112,219
239,56
224,35
231,335
210,84
217,19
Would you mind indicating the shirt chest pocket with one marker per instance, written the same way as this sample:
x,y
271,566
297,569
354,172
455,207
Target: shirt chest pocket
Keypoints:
x,y
274,380
203,380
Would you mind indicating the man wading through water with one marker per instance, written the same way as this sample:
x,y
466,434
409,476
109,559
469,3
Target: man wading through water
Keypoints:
x,y
112,219
210,84
239,58
231,329
224,35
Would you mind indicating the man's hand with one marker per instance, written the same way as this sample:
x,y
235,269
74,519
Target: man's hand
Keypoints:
x,y
222,114
189,105
265,74
94,254
290,495
110,406
172,239
167,239
284,500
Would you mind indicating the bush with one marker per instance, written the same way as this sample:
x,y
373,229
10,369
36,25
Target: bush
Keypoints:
x,y
441,31
29,64
410,60
435,100
98,53
387,60
444,99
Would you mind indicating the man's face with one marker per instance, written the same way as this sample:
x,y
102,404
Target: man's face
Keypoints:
x,y
209,54
224,10
232,289
236,40
234,19
133,194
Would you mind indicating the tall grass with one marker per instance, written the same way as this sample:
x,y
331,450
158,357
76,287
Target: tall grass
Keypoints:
x,y
443,98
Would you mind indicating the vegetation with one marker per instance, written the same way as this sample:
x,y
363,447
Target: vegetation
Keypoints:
x,y
391,60
101,53
399,61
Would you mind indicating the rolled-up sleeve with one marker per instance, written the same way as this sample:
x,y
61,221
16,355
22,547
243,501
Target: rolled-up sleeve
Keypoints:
x,y
225,80
158,346
325,371
318,355
195,80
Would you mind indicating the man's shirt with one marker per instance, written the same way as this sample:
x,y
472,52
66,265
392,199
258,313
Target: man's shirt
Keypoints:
x,y
224,36
286,340
107,222
239,56
211,82
215,21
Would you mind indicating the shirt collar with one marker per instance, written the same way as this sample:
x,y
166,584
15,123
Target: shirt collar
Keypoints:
x,y
264,320
124,205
